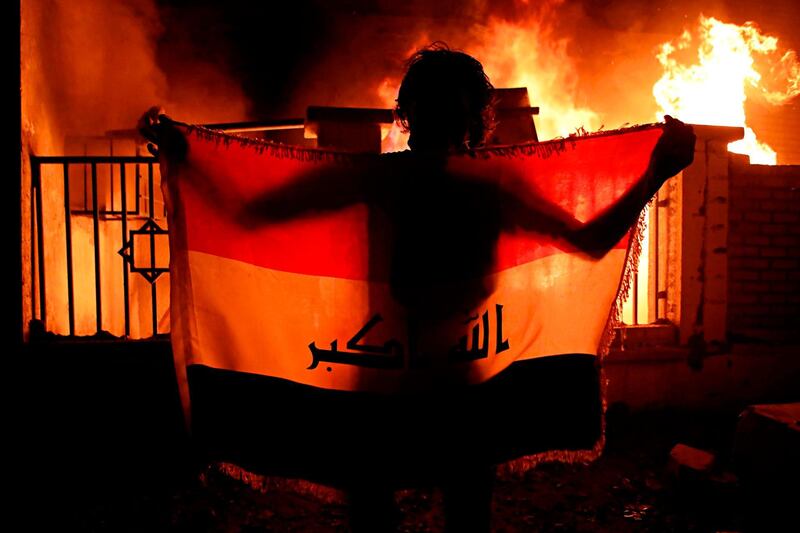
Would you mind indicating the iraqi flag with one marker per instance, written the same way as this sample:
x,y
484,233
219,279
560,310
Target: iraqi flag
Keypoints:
x,y
337,313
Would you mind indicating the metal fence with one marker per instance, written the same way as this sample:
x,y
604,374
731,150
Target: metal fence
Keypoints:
x,y
119,188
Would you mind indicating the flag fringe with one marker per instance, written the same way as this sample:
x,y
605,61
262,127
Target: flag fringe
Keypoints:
x,y
541,149
274,149
519,466
628,275
545,149
265,484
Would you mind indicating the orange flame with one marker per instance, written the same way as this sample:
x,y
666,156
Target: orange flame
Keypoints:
x,y
528,54
393,138
519,54
713,90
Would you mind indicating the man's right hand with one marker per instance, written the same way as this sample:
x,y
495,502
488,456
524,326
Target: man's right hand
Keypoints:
x,y
674,150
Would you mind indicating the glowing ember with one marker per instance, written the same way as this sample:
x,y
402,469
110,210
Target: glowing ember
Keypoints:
x,y
714,89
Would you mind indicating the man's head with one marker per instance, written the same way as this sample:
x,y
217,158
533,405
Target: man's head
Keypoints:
x,y
445,100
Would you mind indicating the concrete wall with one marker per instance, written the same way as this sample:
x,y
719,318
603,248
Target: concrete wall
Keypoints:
x,y
737,291
764,252
702,285
660,377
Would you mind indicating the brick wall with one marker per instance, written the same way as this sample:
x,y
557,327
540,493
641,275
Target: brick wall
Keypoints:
x,y
764,252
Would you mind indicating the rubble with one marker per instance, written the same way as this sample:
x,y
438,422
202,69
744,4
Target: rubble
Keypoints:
x,y
683,458
767,444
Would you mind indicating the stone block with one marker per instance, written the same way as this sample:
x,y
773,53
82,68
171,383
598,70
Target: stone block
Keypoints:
x,y
685,459
767,444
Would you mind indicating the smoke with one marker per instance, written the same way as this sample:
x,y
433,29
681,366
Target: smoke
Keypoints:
x,y
89,66
86,67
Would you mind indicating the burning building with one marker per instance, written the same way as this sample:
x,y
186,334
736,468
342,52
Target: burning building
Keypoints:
x,y
718,277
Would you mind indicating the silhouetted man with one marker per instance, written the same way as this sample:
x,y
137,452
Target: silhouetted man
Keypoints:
x,y
440,237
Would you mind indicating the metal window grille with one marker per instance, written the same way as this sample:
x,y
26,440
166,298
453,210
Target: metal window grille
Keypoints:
x,y
128,198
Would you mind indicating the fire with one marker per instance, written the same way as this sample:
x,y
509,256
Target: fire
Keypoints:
x,y
713,90
78,80
518,54
528,54
393,138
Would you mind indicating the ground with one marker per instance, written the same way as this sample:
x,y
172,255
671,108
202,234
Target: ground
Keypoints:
x,y
630,488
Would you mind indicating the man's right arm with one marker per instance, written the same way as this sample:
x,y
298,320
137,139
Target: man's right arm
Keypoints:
x,y
673,152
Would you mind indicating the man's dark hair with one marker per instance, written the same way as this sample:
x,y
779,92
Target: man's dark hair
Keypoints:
x,y
445,99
